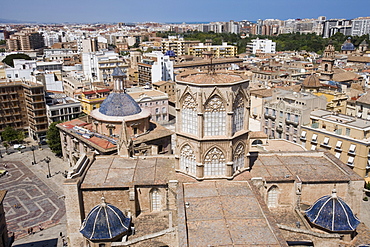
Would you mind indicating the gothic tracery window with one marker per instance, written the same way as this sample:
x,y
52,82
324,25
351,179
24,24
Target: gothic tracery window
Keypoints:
x,y
187,160
155,200
214,163
215,117
238,161
189,115
238,116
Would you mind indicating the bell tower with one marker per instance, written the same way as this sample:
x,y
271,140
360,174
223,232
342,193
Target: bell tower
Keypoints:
x,y
327,63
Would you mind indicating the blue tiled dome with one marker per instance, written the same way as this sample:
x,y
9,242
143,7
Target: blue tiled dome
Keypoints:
x,y
119,105
118,72
333,214
348,46
104,222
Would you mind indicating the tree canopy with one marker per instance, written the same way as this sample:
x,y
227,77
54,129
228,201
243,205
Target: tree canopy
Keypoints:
x,y
53,139
9,59
10,135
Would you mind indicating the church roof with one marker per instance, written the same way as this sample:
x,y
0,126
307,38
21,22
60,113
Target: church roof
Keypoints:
x,y
104,222
119,105
332,213
312,81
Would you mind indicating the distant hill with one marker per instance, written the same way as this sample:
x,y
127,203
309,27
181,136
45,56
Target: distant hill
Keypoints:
x,y
14,21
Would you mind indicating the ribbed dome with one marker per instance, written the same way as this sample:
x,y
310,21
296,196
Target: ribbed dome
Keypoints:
x,y
312,81
333,214
348,46
119,105
118,72
104,222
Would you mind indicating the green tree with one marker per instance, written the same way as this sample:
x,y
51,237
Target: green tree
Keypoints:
x,y
10,134
6,146
9,59
53,139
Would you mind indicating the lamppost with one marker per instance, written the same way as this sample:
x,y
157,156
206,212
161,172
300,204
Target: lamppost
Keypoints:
x,y
33,153
47,160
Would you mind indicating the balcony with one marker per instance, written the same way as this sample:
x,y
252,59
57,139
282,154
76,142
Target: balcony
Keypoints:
x,y
315,125
279,129
295,124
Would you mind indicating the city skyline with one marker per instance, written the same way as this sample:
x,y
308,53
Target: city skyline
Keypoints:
x,y
166,11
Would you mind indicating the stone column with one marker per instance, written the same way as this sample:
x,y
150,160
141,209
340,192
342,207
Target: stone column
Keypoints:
x,y
74,213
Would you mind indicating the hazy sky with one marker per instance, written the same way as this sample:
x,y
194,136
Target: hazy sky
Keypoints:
x,y
89,11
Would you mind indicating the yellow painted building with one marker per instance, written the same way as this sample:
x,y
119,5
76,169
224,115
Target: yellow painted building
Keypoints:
x,y
91,100
346,137
218,51
336,101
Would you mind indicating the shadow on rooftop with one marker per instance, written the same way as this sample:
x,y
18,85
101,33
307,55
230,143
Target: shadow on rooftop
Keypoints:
x,y
44,243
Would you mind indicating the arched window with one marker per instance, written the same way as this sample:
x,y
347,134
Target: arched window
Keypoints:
x,y
326,67
238,116
187,160
238,157
215,117
189,116
155,200
272,197
257,142
214,163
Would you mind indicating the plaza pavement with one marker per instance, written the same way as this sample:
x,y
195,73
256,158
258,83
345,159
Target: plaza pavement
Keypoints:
x,y
34,200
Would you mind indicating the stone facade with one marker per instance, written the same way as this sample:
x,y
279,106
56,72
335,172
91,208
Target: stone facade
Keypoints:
x,y
212,124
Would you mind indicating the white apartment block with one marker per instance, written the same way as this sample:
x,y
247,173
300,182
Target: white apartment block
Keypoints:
x,y
98,66
23,69
361,26
262,46
155,67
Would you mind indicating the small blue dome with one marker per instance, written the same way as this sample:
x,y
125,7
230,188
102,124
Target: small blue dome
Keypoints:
x,y
333,214
104,222
119,105
118,72
348,46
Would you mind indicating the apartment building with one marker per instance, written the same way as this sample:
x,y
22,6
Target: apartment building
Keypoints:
x,y
178,46
286,111
92,99
36,109
167,87
22,106
60,107
360,26
204,64
155,67
25,41
156,102
346,137
99,66
333,26
218,51
261,46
